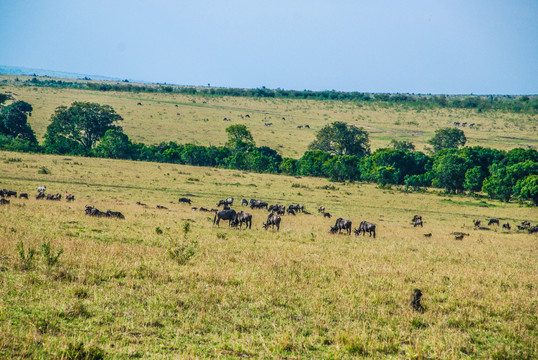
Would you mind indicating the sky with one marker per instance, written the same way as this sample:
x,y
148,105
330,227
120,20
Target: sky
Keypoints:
x,y
450,47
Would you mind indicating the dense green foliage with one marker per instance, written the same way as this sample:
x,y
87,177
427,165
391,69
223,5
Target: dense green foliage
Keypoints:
x,y
340,153
13,121
447,138
520,104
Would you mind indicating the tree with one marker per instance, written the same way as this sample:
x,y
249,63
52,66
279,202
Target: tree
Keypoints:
x,y
448,172
501,184
239,137
402,145
527,189
339,138
115,145
343,167
83,123
473,179
447,138
13,121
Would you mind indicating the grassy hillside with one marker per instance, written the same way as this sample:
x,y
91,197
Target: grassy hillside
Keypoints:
x,y
296,293
200,119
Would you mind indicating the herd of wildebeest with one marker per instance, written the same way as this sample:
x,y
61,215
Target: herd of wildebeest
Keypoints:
x,y
237,219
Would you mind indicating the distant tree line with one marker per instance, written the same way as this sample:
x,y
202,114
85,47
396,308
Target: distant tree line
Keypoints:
x,y
340,152
519,104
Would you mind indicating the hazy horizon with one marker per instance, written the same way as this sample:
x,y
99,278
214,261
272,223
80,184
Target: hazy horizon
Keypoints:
x,y
478,47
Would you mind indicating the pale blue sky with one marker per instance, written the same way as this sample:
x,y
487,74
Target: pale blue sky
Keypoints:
x,y
456,47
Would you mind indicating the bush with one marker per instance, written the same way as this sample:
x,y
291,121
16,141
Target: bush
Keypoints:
x,y
26,258
48,254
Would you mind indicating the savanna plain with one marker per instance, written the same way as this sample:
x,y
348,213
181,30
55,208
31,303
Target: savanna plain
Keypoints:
x,y
167,283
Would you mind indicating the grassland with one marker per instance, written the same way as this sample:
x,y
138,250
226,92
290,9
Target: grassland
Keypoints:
x,y
297,293
200,119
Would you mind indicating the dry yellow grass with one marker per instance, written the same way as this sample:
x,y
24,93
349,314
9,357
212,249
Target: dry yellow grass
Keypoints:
x,y
201,122
297,293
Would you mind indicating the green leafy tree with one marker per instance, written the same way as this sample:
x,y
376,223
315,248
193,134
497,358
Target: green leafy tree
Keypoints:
x,y
473,179
387,175
341,168
447,138
501,184
311,163
115,145
288,166
13,121
527,189
402,145
448,172
239,137
342,139
82,123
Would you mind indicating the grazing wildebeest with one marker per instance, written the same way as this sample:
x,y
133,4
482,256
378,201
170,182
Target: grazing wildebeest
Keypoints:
x,y
23,195
272,220
299,126
456,123
268,124
40,195
341,224
194,208
291,212
69,197
471,125
244,202
227,119
506,226
224,215
416,296
464,124
214,210
247,115
321,209
418,222
283,118
140,203
307,126
162,207
9,193
56,197
459,237
259,204
140,104
4,201
203,209
327,215
428,235
493,221
92,211
526,224
365,227
243,217
184,200
476,222
115,214
533,230
228,201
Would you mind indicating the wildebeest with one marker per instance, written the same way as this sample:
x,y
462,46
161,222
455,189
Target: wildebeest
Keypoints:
x,y
4,201
259,204
8,193
69,197
299,126
23,195
162,207
307,126
194,208
203,209
533,230
140,104
247,115
526,224
244,202
184,200
471,125
291,212
418,222
493,221
321,209
224,215
456,123
92,211
115,214
140,203
243,217
459,237
327,215
56,197
268,124
228,201
341,224
476,222
40,195
428,235
365,227
464,124
272,220
416,297
506,226
227,119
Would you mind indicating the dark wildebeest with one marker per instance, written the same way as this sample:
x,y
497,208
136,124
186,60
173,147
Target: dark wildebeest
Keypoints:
x,y
321,209
140,104
506,226
456,123
416,296
299,126
9,193
23,195
194,208
291,212
243,217
307,126
228,201
259,204
418,222
526,224
69,197
365,227
416,217
115,214
161,207
184,200
327,215
493,221
247,115
40,195
341,224
268,124
224,215
4,201
141,204
272,220
203,209
476,222
244,202
56,197
90,210
533,230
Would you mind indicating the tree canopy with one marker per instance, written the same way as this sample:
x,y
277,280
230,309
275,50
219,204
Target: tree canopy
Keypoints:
x,y
342,139
239,136
13,121
83,123
447,138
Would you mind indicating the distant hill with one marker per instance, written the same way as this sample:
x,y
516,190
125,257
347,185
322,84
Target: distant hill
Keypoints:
x,y
20,70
